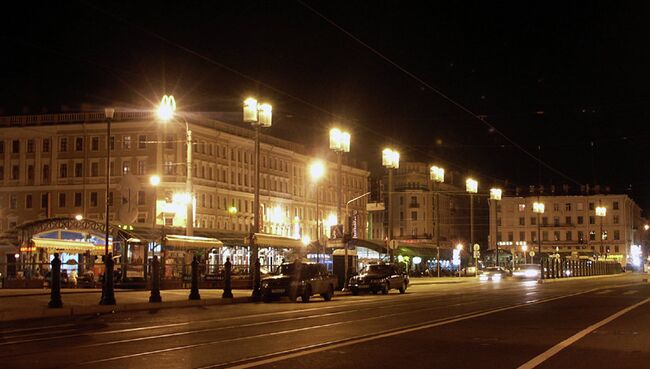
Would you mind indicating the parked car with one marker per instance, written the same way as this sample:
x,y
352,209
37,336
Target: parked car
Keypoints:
x,y
299,279
379,278
492,274
527,271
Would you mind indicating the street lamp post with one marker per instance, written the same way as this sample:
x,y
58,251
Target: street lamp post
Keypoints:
x,y
601,212
538,208
340,143
108,294
471,186
524,248
258,115
154,181
459,247
495,196
316,172
437,175
166,112
390,160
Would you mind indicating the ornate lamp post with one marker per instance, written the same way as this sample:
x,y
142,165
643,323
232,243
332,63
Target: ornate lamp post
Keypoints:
x,y
316,172
495,196
108,294
471,186
340,143
538,208
601,212
437,175
154,181
258,115
390,160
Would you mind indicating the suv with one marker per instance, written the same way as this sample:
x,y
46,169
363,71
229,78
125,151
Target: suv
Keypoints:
x,y
379,277
299,279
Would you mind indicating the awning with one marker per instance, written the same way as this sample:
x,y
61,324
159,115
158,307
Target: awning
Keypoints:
x,y
424,252
271,240
67,246
192,241
378,246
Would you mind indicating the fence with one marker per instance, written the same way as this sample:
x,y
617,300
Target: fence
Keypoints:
x,y
553,268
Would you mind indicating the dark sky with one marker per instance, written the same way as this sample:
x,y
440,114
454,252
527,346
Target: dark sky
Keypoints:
x,y
558,75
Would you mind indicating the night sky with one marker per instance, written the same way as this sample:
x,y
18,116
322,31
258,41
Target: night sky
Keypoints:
x,y
570,78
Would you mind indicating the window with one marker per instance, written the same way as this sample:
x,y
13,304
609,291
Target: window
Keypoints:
x,y
141,167
15,146
591,206
615,205
169,141
94,143
30,172
142,217
30,146
544,235
2,172
511,237
569,235
62,200
414,215
63,170
533,236
111,143
141,197
44,200
94,169
63,144
592,236
142,142
556,221
581,236
93,199
13,202
615,219
79,144
567,206
2,147
617,235
580,206
522,221
556,207
46,173
401,215
533,221
522,236
78,170
604,235
126,142
126,165
499,222
46,145
401,200
567,221
168,168
556,235
110,198
544,221
581,219
77,199
522,207
592,219
15,172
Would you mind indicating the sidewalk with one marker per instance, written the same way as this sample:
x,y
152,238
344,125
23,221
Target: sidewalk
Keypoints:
x,y
32,303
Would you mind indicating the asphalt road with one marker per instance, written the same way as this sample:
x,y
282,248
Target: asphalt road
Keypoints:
x,y
598,323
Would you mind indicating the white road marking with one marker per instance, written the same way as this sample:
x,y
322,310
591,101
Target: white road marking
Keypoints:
x,y
630,292
571,340
603,292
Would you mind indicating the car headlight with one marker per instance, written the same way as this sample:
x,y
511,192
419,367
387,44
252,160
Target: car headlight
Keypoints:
x,y
496,277
265,284
531,273
483,277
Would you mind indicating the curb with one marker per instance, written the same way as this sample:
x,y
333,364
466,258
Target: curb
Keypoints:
x,y
430,283
556,280
104,309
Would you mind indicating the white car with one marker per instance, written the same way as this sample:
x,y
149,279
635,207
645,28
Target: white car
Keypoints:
x,y
528,271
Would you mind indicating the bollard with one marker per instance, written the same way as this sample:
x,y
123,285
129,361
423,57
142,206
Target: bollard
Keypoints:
x,y
257,293
194,293
227,286
155,280
55,294
108,293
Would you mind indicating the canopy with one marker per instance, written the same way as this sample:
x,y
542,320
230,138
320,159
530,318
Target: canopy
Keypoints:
x,y
271,240
425,252
378,246
192,241
67,246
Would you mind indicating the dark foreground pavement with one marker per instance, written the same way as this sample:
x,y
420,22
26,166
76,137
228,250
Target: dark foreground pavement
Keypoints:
x,y
600,323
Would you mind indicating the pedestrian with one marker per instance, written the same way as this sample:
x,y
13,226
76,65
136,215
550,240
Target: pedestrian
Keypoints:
x,y
72,278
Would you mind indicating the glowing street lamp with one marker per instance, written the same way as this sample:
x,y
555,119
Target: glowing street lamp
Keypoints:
x,y
258,115
471,186
538,208
79,217
390,160
601,212
316,172
524,248
167,108
495,195
437,175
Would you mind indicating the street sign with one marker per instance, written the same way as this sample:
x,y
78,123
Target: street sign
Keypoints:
x,y
477,254
477,247
532,253
393,244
